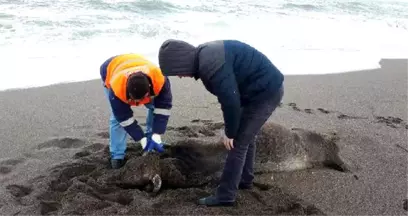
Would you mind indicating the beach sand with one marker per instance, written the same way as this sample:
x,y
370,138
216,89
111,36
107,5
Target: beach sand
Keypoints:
x,y
54,150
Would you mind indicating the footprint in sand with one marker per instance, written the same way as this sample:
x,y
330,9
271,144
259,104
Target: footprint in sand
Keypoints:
x,y
340,116
344,116
390,121
7,165
206,129
193,131
62,143
5,170
296,108
19,191
323,110
104,135
201,121
309,111
90,149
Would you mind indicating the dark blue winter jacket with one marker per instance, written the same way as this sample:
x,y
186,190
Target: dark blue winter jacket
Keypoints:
x,y
234,71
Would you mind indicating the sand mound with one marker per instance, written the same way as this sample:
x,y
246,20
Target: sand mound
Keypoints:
x,y
172,182
282,149
62,143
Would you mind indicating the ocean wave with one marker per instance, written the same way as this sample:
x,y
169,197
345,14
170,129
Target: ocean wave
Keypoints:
x,y
370,9
141,6
76,30
306,7
225,7
6,15
360,8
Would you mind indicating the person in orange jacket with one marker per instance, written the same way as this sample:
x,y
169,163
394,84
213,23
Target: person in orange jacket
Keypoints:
x,y
132,80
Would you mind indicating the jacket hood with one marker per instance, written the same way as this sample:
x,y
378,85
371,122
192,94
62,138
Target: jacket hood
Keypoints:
x,y
178,58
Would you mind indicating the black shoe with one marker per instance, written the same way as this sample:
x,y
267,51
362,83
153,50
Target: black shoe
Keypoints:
x,y
212,201
243,186
117,163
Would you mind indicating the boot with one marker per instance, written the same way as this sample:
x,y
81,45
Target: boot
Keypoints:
x,y
117,163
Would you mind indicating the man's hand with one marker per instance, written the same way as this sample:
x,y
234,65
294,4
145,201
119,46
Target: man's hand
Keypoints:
x,y
152,144
157,143
228,143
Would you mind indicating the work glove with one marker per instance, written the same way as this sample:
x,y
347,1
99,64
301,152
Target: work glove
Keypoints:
x,y
152,144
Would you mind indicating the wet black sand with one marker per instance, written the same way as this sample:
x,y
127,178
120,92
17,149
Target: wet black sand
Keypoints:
x,y
187,170
54,153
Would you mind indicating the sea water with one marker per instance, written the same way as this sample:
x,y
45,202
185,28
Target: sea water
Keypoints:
x,y
44,42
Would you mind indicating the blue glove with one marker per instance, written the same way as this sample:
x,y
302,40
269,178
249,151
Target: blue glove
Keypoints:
x,y
153,143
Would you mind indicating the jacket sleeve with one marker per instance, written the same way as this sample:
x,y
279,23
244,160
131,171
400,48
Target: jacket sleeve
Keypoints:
x,y
162,107
124,115
225,87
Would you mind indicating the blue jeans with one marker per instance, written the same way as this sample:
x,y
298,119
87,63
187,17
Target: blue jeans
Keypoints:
x,y
118,135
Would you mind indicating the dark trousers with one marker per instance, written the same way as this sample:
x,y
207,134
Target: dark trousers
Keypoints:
x,y
240,160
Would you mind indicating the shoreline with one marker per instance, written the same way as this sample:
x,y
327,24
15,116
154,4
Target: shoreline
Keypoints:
x,y
91,80
45,126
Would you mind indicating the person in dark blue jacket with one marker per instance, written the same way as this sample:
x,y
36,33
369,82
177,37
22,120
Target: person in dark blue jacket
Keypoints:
x,y
248,86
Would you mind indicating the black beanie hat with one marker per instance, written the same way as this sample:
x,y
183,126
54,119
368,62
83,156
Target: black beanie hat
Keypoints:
x,y
177,57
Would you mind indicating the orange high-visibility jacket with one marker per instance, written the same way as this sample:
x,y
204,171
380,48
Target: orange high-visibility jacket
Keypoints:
x,y
115,72
122,66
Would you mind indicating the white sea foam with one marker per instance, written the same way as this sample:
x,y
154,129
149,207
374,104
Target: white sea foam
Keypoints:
x,y
46,42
